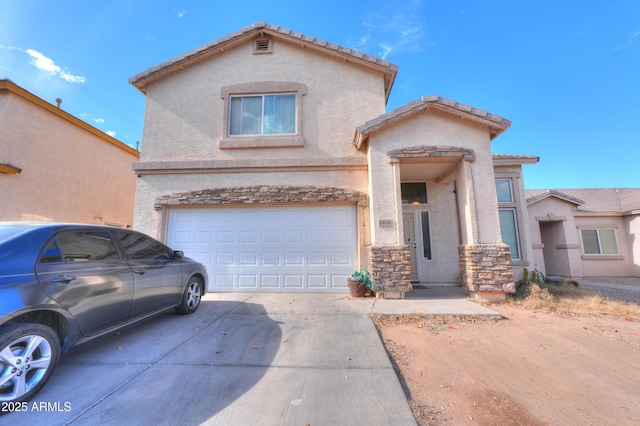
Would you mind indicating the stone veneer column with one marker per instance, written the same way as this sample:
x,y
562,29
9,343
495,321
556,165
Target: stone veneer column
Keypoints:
x,y
391,270
485,270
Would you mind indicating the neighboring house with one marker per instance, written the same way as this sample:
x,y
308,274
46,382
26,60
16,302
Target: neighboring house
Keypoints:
x,y
586,232
268,155
55,167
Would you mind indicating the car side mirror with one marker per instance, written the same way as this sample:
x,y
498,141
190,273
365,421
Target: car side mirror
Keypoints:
x,y
178,254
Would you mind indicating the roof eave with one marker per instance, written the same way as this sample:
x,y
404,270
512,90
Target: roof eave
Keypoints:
x,y
496,124
142,79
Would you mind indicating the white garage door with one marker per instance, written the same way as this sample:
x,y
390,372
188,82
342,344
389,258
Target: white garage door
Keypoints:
x,y
287,249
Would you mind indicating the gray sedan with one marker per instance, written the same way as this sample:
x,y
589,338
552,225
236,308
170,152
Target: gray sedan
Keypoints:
x,y
65,284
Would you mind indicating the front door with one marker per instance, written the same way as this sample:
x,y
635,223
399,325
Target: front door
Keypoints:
x,y
409,223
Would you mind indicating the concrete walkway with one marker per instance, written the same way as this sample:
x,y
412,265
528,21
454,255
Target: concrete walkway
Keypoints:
x,y
242,359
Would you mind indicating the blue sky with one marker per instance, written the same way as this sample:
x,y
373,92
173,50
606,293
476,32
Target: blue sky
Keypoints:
x,y
567,73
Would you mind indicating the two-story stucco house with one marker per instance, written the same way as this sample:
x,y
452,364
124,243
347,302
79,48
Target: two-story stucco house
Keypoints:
x,y
269,155
56,167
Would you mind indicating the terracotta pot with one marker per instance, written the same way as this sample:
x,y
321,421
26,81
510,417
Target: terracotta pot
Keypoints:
x,y
355,288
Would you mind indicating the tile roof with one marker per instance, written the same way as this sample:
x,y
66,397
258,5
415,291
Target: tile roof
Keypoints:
x,y
593,200
220,44
496,122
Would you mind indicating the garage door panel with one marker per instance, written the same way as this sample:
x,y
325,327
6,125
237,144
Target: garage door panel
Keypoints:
x,y
269,249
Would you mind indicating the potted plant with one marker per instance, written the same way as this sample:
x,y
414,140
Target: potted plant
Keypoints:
x,y
359,283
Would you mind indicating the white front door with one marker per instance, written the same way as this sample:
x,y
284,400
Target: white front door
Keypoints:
x,y
278,249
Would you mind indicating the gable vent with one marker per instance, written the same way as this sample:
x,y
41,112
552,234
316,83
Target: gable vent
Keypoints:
x,y
262,45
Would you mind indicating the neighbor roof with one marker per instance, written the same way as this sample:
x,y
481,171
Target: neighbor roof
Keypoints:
x,y
496,123
593,200
218,46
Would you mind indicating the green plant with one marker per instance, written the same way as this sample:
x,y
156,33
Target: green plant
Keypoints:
x,y
363,277
525,276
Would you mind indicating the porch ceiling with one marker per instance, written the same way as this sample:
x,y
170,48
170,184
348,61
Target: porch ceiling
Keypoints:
x,y
422,171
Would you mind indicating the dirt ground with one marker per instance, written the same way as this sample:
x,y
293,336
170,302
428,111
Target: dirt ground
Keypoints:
x,y
530,368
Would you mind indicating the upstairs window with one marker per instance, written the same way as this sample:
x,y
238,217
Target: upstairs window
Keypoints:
x,y
504,191
269,114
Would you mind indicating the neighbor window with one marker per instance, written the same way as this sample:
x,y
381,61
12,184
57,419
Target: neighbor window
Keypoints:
x,y
599,241
509,231
262,114
504,191
413,192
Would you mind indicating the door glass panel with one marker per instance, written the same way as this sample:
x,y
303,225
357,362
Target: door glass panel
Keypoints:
x,y
86,245
426,235
140,247
413,192
51,254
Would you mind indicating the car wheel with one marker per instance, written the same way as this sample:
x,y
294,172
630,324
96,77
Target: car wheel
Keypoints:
x,y
28,355
191,297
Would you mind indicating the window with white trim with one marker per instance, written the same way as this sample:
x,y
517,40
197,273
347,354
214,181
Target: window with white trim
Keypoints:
x,y
600,241
269,114
509,231
504,191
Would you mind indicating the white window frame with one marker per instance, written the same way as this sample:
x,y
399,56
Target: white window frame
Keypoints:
x,y
511,200
262,88
263,96
598,230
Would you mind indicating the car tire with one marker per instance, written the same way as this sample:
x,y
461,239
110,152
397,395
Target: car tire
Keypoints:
x,y
191,297
28,355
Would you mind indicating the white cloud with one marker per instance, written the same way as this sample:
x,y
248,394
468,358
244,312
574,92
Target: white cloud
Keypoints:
x,y
111,133
633,37
181,13
43,63
397,29
99,120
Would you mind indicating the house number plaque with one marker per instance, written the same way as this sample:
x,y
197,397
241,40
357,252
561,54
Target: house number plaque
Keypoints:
x,y
385,222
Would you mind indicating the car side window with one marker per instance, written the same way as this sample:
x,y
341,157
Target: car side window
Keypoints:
x,y
140,247
78,246
51,254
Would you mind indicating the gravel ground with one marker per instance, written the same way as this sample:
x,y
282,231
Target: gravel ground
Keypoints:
x,y
614,288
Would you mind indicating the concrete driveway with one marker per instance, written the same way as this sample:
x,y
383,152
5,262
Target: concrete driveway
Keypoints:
x,y
241,359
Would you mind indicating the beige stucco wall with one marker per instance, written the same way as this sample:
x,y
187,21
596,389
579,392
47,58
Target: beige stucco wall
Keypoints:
x,y
184,114
184,123
69,173
607,265
555,238
632,228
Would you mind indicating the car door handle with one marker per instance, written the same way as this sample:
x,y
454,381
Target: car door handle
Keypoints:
x,y
139,271
64,279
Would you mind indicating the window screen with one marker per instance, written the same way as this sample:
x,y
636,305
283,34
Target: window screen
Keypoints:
x,y
599,241
262,114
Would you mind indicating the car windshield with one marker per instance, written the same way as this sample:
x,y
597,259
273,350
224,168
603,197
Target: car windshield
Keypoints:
x,y
8,232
